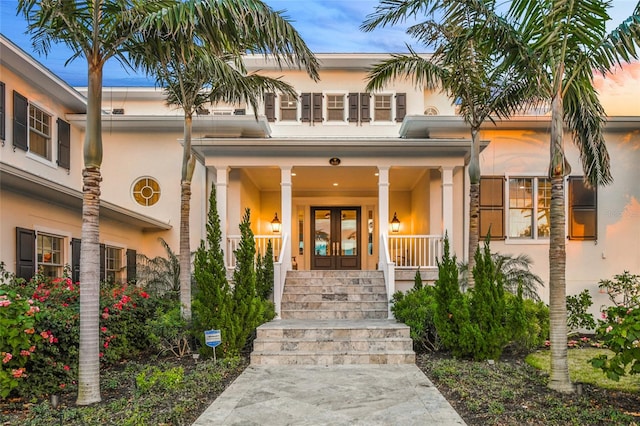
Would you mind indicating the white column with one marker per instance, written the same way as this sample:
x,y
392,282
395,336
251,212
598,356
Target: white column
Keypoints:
x,y
447,202
383,208
222,183
286,201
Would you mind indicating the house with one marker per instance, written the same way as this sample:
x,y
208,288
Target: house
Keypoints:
x,y
337,178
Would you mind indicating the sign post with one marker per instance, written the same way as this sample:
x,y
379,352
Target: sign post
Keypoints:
x,y
213,338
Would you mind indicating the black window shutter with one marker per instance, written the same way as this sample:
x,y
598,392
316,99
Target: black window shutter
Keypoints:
x,y
2,111
64,144
305,114
353,107
20,117
317,107
401,106
103,262
25,253
270,106
365,111
75,259
131,266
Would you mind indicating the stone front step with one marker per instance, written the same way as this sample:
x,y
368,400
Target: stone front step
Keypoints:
x,y
334,295
329,342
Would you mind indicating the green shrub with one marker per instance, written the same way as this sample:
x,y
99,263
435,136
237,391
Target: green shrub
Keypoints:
x,y
620,327
168,331
153,378
528,321
577,315
417,309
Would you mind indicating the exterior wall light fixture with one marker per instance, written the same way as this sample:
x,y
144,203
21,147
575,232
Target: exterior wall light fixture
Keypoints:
x,y
276,224
395,223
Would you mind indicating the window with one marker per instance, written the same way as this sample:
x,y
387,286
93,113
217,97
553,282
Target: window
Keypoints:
x,y
49,254
382,108
39,132
146,191
583,210
288,108
492,207
113,264
529,207
335,107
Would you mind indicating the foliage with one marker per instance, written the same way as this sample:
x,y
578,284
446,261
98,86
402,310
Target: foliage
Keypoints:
x,y
487,307
168,332
265,273
54,328
577,315
19,335
516,271
620,326
212,297
417,309
452,319
160,275
528,321
153,378
249,310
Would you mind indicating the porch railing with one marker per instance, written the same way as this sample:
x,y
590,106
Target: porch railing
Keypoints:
x,y
415,251
233,241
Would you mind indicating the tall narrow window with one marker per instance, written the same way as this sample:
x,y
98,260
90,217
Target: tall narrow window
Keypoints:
x,y
382,108
288,108
113,264
335,107
529,207
492,207
583,210
50,255
39,132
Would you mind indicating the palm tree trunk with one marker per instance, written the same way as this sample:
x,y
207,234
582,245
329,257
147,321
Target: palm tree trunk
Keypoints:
x,y
558,169
188,164
89,350
474,200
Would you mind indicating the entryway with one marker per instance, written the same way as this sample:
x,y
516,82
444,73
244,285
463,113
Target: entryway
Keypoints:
x,y
336,237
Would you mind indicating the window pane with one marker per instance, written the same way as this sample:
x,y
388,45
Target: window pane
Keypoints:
x,y
39,132
49,255
382,108
521,208
520,223
288,107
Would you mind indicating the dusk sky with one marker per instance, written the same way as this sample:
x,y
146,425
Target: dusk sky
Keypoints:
x,y
327,26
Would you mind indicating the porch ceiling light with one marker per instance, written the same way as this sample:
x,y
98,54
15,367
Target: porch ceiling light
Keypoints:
x,y
275,224
395,223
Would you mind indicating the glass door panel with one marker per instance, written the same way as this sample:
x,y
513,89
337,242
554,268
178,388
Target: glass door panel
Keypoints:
x,y
336,234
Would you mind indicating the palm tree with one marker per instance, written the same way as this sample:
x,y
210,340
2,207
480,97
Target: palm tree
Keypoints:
x,y
200,61
465,64
97,30
570,43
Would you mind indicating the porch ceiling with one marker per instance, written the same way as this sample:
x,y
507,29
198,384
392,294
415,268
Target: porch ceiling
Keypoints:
x,y
316,179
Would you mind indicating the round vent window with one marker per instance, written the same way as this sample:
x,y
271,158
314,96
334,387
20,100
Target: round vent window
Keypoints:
x,y
146,191
431,111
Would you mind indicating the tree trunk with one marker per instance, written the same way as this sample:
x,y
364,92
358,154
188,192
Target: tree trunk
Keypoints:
x,y
474,201
558,169
89,350
188,163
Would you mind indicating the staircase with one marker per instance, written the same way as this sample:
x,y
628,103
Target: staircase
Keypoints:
x,y
333,317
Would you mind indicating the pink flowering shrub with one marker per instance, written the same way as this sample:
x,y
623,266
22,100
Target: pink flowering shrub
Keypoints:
x,y
620,326
50,328
18,338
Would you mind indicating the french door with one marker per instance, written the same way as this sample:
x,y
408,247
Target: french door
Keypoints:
x,y
336,237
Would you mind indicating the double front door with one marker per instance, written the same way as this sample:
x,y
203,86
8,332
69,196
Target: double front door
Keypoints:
x,y
336,237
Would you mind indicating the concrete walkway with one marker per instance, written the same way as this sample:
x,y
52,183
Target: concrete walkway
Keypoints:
x,y
331,395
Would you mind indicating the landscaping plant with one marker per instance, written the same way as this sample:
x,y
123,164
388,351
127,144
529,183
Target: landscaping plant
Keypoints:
x,y
620,326
577,315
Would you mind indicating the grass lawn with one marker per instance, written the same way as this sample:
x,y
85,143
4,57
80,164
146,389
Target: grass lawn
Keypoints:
x,y
580,369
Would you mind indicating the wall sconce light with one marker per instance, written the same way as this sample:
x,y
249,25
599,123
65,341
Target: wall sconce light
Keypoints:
x,y
275,224
395,223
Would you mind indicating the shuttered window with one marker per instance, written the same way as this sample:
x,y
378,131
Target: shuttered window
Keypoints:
x,y
305,107
583,210
491,218
25,253
2,112
354,105
20,121
365,109
317,107
64,144
270,106
401,106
